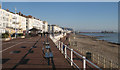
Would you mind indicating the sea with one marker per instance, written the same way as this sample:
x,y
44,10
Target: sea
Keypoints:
x,y
110,37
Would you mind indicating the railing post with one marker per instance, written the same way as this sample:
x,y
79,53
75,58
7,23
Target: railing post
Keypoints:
x,y
71,57
65,51
59,45
84,63
111,64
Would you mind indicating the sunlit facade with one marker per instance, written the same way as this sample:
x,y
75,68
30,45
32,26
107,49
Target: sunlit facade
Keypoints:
x,y
11,23
19,23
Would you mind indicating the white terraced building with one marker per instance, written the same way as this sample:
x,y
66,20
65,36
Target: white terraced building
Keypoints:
x,y
34,23
57,28
9,21
2,22
54,28
45,26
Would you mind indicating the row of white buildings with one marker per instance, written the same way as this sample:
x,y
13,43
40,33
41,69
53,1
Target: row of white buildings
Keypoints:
x,y
54,28
17,22
11,22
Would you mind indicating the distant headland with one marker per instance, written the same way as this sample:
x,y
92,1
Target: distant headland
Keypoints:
x,y
96,32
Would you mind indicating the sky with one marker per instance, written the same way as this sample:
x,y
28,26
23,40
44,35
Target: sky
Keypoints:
x,y
60,0
82,16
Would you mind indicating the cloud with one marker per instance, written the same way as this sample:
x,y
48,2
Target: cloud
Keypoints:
x,y
60,0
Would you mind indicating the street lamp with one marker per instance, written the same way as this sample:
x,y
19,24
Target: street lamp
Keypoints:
x,y
15,21
1,4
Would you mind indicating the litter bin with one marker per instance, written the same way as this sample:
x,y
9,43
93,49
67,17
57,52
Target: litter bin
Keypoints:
x,y
89,56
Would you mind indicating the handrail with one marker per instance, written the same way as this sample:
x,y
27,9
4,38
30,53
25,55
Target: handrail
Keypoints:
x,y
85,59
68,48
92,64
73,62
78,54
71,59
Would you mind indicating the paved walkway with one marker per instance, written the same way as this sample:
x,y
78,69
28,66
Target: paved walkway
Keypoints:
x,y
23,56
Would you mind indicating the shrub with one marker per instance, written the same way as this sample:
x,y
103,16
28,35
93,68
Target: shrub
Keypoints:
x,y
20,34
5,35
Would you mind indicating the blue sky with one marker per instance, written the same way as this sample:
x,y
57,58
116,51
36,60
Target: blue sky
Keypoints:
x,y
60,0
83,16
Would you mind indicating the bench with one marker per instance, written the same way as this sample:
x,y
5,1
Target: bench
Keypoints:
x,y
49,55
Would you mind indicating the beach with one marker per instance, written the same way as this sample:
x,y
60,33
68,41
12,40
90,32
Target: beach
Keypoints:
x,y
104,49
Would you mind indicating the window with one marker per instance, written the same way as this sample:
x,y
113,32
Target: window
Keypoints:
x,y
7,19
10,20
0,18
0,24
4,25
14,17
3,18
7,24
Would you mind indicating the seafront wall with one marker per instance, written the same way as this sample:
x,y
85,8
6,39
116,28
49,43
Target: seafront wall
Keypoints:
x,y
101,51
57,37
70,54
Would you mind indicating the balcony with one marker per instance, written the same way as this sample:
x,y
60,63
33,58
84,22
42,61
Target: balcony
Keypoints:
x,y
15,23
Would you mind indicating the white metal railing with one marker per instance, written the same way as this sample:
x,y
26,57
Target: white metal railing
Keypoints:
x,y
103,61
60,44
64,50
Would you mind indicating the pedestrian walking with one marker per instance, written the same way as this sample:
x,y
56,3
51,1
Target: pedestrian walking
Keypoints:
x,y
41,34
44,34
63,47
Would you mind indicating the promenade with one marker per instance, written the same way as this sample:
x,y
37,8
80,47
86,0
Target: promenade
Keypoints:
x,y
20,54
27,54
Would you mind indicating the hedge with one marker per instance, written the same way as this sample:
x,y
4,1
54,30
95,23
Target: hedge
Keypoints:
x,y
5,35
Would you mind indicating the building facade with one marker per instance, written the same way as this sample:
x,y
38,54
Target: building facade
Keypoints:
x,y
56,29
11,23
32,22
19,23
45,26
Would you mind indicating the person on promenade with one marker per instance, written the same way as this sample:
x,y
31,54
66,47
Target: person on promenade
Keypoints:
x,y
44,34
43,50
66,38
60,39
63,47
41,34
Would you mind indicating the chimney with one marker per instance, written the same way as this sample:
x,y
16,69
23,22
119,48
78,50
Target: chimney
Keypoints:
x,y
20,13
44,22
29,16
7,10
0,6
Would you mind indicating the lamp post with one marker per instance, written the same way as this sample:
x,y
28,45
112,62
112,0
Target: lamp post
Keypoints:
x,y
1,4
1,19
15,21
